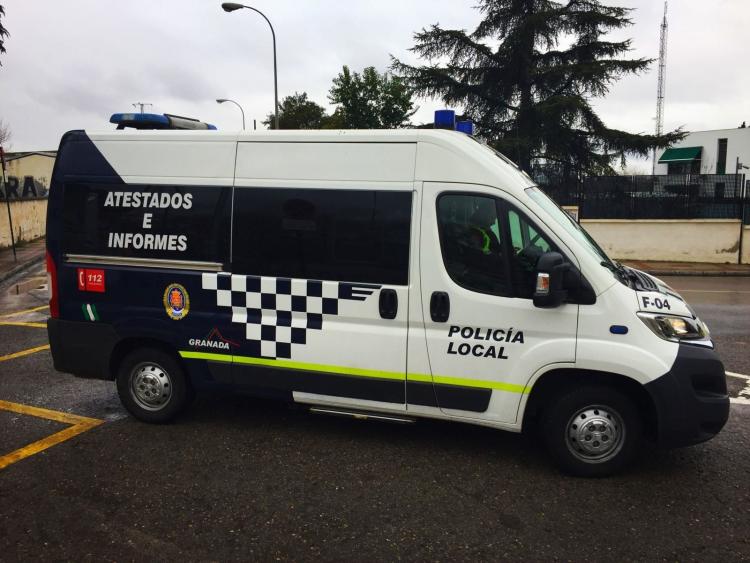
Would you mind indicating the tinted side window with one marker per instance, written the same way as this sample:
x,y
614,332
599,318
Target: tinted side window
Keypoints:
x,y
164,222
471,241
528,245
340,235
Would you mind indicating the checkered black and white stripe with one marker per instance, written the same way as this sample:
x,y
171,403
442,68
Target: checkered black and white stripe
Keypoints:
x,y
278,312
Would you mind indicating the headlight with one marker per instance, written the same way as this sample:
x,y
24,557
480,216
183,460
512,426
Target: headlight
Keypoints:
x,y
674,328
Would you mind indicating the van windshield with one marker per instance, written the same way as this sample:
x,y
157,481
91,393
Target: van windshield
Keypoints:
x,y
570,226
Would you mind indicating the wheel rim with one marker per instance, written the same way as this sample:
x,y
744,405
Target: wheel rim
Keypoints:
x,y
150,386
595,434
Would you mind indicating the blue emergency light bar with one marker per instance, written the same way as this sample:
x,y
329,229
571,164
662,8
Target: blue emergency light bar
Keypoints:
x,y
446,119
465,127
157,121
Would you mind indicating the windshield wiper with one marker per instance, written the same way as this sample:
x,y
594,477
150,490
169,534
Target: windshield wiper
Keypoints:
x,y
618,270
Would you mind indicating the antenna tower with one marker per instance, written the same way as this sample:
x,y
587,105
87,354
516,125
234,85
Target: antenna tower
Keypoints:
x,y
661,81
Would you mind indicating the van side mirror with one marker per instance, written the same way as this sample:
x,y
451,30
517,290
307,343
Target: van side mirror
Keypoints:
x,y
550,289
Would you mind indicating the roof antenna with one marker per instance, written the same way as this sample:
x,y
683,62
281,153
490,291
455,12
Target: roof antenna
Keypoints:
x,y
141,105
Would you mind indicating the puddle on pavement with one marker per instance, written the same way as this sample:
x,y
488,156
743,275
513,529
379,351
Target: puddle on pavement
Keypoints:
x,y
27,285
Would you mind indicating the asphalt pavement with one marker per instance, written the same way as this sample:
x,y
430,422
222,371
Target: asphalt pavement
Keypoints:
x,y
246,479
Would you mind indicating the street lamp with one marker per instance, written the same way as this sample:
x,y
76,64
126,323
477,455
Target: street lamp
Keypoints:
x,y
231,7
222,100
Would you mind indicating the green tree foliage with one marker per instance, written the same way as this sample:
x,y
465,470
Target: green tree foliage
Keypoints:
x,y
526,76
335,120
297,112
3,32
371,100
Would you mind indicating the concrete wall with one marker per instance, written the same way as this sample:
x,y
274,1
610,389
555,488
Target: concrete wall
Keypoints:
x,y
29,218
27,180
694,240
746,245
28,176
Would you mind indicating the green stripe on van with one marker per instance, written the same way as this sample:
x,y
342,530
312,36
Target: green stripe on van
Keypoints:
x,y
357,372
89,312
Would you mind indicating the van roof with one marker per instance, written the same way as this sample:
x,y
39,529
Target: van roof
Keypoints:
x,y
444,156
319,135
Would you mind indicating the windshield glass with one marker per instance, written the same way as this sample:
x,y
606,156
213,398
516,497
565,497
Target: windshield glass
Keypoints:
x,y
567,223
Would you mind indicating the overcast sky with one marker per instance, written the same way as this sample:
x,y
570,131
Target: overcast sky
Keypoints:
x,y
71,64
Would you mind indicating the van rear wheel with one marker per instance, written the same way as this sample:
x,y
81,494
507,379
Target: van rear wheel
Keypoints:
x,y
152,385
592,431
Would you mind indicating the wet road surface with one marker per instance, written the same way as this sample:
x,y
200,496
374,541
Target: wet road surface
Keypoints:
x,y
239,478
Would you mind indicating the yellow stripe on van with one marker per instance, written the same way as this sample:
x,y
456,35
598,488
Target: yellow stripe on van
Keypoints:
x,y
357,372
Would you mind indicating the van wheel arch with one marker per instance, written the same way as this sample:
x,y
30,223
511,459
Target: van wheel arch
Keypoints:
x,y
555,383
127,345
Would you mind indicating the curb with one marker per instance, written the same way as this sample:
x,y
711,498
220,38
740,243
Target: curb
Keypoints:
x,y
20,268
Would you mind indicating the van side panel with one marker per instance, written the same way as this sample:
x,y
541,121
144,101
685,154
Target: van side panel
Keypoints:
x,y
161,161
77,159
130,256
370,162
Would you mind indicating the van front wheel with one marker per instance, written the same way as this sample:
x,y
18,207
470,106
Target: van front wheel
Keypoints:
x,y
592,431
152,386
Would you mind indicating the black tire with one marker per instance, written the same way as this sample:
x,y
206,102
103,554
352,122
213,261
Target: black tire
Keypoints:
x,y
152,385
600,448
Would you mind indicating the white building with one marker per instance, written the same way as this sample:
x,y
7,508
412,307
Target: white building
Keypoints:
x,y
706,152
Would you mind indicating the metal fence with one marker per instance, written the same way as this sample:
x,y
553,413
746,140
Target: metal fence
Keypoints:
x,y
684,196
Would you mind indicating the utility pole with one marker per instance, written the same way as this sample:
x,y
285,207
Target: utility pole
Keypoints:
x,y
739,167
141,105
661,81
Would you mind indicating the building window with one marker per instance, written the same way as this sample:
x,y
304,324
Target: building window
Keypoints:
x,y
684,167
721,157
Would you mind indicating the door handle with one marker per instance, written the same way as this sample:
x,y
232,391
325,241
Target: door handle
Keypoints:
x,y
440,306
388,303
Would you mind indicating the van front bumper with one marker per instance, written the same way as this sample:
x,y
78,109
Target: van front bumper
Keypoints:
x,y
691,400
81,348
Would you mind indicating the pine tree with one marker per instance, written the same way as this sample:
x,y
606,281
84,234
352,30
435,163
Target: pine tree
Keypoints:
x,y
3,32
526,76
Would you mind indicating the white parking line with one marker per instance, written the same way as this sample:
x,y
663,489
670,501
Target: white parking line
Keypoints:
x,y
741,376
743,397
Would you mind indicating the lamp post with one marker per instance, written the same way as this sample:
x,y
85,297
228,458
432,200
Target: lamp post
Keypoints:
x,y
222,100
231,7
743,202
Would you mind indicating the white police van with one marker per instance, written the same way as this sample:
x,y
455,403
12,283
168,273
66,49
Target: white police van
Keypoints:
x,y
386,274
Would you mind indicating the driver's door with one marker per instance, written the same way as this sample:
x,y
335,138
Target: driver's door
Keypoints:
x,y
477,267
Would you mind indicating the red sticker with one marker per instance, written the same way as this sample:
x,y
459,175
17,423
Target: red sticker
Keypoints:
x,y
91,280
95,280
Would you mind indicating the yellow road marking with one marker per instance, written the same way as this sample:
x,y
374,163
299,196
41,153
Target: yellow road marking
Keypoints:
x,y
79,424
24,311
24,353
39,412
21,323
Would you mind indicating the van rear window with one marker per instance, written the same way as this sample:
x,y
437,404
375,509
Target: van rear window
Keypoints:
x,y
147,221
340,235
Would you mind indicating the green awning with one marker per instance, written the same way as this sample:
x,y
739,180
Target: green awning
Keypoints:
x,y
681,154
